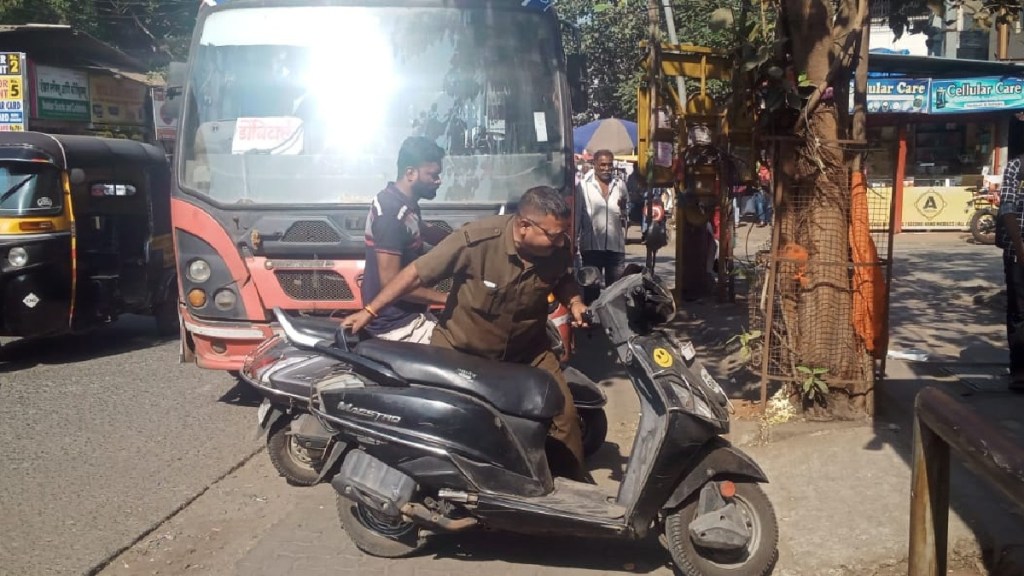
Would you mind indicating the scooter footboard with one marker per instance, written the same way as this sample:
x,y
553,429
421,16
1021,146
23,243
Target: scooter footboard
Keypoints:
x,y
719,458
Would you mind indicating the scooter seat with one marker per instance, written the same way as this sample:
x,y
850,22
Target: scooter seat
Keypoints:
x,y
513,389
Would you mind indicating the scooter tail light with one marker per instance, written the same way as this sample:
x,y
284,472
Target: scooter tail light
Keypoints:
x,y
727,488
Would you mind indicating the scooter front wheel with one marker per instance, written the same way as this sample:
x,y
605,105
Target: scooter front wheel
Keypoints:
x,y
756,559
594,427
377,534
300,466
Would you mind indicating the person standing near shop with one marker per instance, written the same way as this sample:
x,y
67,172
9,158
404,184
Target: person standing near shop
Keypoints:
x,y
763,199
600,205
1011,240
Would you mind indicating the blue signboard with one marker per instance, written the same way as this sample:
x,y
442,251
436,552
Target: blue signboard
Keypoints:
x,y
967,95
897,95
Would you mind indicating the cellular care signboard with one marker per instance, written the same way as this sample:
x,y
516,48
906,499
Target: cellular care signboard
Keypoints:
x,y
970,95
897,95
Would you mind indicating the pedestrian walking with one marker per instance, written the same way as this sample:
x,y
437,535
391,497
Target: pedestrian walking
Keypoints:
x,y
1010,239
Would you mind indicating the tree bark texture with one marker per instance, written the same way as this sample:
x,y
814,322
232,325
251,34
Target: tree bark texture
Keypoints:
x,y
814,277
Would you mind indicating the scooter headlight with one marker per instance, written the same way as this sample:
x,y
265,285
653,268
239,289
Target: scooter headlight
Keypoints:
x,y
17,257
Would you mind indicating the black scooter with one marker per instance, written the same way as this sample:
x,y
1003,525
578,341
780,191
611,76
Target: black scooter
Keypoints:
x,y
302,450
446,442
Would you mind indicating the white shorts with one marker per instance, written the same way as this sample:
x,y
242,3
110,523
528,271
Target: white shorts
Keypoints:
x,y
418,331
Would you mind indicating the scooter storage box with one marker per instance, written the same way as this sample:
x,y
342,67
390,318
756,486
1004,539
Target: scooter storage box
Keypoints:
x,y
369,481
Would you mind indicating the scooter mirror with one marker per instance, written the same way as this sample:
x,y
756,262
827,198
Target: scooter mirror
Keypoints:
x,y
588,276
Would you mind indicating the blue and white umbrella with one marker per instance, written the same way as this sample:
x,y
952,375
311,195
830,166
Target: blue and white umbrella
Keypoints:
x,y
613,134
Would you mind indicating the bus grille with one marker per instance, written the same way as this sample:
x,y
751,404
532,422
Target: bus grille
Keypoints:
x,y
311,231
312,285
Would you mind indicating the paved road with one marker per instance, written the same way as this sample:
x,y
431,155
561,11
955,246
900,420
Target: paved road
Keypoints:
x,y
101,437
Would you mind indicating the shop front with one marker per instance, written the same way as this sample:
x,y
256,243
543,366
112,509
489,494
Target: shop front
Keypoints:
x,y
934,142
60,100
93,102
118,106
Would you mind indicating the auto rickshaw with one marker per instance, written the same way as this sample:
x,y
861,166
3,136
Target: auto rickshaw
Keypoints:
x,y
85,234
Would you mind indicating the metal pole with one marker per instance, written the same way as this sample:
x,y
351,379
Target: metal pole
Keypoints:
x,y
671,21
1002,36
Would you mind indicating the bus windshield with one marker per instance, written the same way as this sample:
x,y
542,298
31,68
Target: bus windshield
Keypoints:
x,y
310,104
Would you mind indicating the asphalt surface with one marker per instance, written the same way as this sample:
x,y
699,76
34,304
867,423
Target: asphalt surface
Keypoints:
x,y
103,436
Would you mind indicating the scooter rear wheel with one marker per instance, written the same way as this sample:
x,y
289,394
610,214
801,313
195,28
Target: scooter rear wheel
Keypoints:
x,y
758,559
376,534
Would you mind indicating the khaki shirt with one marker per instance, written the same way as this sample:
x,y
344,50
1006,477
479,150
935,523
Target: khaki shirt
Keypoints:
x,y
498,305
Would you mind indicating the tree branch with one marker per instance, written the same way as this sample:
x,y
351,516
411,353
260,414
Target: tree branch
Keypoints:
x,y
840,63
157,45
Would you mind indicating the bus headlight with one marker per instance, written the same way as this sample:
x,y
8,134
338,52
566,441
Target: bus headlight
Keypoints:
x,y
18,257
225,299
199,271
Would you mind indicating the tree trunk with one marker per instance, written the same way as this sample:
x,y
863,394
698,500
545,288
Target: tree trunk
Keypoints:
x,y
815,212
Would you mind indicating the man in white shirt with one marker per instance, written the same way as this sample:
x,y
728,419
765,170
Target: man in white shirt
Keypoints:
x,y
600,206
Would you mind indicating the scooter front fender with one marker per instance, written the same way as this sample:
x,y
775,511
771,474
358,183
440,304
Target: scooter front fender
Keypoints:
x,y
585,392
718,458
273,414
338,448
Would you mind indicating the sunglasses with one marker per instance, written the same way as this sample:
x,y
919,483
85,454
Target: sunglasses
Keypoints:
x,y
554,237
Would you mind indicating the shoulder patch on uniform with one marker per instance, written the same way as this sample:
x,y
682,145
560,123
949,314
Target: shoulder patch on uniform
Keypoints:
x,y
476,235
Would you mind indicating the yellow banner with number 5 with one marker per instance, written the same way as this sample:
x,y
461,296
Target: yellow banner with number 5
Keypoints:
x,y
12,92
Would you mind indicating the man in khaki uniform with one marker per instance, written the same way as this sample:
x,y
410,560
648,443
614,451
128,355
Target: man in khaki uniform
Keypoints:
x,y
503,269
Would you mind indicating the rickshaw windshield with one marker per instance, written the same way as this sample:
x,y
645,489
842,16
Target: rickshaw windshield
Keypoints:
x,y
29,189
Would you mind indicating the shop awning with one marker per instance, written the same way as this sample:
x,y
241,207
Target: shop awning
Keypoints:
x,y
934,67
63,46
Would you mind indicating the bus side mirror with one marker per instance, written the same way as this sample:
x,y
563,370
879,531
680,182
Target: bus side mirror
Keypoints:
x,y
576,70
176,73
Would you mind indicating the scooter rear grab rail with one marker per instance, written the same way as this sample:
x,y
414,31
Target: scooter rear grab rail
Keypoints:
x,y
360,365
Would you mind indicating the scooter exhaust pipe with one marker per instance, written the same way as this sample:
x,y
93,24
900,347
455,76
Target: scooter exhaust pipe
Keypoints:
x,y
426,516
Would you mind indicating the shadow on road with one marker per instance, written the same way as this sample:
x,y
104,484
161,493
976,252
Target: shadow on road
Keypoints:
x,y
129,334
643,557
241,394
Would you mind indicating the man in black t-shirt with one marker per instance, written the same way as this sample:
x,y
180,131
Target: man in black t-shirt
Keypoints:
x,y
395,237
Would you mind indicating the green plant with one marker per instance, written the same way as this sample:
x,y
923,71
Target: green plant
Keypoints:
x,y
742,270
813,386
745,339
